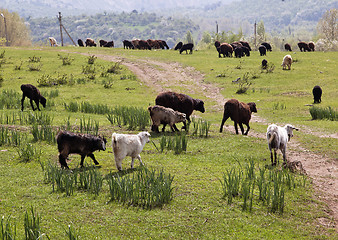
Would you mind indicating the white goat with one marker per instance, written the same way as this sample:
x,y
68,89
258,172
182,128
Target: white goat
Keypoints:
x,y
128,145
277,138
287,61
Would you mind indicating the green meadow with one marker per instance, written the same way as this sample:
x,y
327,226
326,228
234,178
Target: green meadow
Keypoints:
x,y
201,207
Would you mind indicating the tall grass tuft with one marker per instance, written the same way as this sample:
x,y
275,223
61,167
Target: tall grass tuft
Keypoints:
x,y
71,233
89,126
145,188
11,137
324,113
10,99
231,184
27,152
200,128
32,226
132,117
178,143
43,133
7,229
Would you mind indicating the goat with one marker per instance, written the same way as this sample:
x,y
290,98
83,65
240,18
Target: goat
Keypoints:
x,y
128,145
287,61
82,144
277,139
30,91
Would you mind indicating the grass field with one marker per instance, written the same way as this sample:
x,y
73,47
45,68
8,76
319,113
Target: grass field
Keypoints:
x,y
197,209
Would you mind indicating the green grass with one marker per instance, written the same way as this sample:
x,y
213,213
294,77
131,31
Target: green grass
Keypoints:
x,y
197,209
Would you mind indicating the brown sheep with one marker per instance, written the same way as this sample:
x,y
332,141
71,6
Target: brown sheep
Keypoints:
x,y
102,42
287,47
186,47
82,144
239,112
303,46
162,115
33,94
225,49
180,102
90,42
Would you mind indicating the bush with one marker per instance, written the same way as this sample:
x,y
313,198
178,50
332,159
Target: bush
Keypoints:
x,y
324,113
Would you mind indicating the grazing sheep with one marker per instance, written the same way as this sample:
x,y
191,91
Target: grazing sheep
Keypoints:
x,y
102,42
262,50
225,49
217,44
245,44
287,61
162,115
186,47
303,46
180,102
246,51
90,42
80,42
277,139
33,94
128,145
164,44
53,42
267,45
264,64
239,112
311,46
109,44
127,44
238,52
178,46
287,47
317,94
82,144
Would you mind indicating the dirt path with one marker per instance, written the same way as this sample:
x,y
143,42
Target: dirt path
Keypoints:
x,y
167,76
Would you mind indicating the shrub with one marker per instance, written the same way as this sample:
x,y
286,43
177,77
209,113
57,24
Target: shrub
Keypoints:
x,y
91,59
324,113
115,68
28,152
244,83
67,60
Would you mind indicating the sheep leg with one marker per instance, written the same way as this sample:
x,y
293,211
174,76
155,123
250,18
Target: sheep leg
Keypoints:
x,y
93,157
176,129
82,160
225,117
242,129
37,104
31,101
173,128
247,130
132,162
22,100
236,127
139,158
163,129
62,161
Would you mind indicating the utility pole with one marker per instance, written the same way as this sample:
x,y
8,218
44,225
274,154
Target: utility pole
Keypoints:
x,y
255,32
61,26
2,15
216,31
59,17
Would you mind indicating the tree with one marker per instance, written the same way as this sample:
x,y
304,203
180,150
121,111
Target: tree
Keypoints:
x,y
189,38
206,38
261,31
13,29
327,26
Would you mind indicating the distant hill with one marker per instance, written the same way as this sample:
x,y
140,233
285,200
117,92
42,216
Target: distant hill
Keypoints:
x,y
48,8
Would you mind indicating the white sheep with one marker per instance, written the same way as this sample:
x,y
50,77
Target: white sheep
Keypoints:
x,y
53,42
128,145
277,139
287,61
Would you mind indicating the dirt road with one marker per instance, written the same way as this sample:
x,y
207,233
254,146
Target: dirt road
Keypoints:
x,y
166,76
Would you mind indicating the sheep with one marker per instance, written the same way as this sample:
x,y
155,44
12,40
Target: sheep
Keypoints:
x,y
245,44
162,115
80,42
317,94
186,47
277,139
82,144
180,102
262,50
30,91
267,45
239,112
287,47
53,42
311,46
128,145
287,61
178,46
264,64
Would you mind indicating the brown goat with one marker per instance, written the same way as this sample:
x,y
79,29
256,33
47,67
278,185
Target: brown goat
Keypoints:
x,y
82,144
239,112
30,91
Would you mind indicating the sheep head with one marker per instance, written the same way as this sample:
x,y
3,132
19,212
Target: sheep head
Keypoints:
x,y
252,106
289,128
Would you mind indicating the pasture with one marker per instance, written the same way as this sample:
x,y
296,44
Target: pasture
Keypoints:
x,y
199,208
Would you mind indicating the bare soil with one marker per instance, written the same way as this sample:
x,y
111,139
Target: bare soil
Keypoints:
x,y
164,76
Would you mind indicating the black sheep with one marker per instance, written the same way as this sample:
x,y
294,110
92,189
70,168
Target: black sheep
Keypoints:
x,y
238,52
33,94
245,44
264,64
317,94
80,42
287,47
180,102
82,144
102,42
262,50
178,46
239,112
186,47
267,45
127,44
217,44
303,46
109,44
